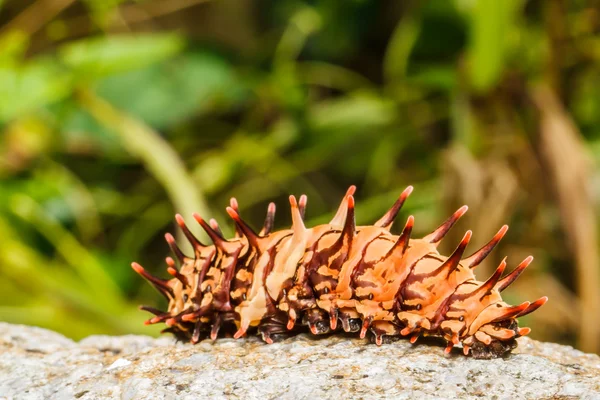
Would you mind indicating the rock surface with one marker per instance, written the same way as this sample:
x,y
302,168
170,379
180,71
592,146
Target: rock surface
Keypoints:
x,y
39,364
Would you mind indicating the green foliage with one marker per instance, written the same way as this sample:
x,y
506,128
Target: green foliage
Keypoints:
x,y
112,120
98,57
25,88
170,93
493,29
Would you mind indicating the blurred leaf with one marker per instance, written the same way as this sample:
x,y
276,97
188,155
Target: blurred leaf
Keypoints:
x,y
399,48
101,10
138,234
43,282
285,85
304,22
492,24
352,113
162,94
168,93
381,167
84,134
13,45
344,24
73,197
439,76
25,140
442,33
331,76
33,85
102,56
586,102
57,30
214,172
80,259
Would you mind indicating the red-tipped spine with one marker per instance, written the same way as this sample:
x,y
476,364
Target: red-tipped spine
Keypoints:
x,y
172,270
437,235
161,285
476,258
388,219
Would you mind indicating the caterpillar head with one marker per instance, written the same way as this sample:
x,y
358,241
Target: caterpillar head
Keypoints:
x,y
477,316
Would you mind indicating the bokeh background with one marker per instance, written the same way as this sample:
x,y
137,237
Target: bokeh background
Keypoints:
x,y
116,114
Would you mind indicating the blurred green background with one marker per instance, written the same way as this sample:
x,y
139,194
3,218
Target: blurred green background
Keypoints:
x,y
117,114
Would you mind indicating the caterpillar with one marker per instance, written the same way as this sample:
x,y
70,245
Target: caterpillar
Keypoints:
x,y
337,277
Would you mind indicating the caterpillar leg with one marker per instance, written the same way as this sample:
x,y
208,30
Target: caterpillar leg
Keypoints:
x,y
274,329
494,349
317,321
223,325
384,332
350,320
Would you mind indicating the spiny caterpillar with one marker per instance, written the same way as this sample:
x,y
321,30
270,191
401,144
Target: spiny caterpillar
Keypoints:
x,y
338,276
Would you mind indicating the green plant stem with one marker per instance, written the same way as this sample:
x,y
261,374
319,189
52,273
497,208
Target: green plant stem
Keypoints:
x,y
157,155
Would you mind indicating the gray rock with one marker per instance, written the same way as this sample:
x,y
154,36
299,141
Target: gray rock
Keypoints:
x,y
39,364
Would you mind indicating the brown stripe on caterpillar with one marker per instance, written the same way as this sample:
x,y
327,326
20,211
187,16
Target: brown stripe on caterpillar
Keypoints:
x,y
337,277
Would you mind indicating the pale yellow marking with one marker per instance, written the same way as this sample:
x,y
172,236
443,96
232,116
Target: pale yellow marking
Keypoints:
x,y
364,291
215,273
454,314
324,304
244,275
350,312
410,319
482,337
325,271
323,285
369,308
206,300
469,341
387,327
252,311
351,304
206,283
388,305
498,333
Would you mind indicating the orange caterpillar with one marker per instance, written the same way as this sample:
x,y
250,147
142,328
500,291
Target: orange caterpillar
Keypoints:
x,y
338,276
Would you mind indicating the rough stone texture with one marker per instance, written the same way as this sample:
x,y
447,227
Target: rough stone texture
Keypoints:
x,y
39,364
